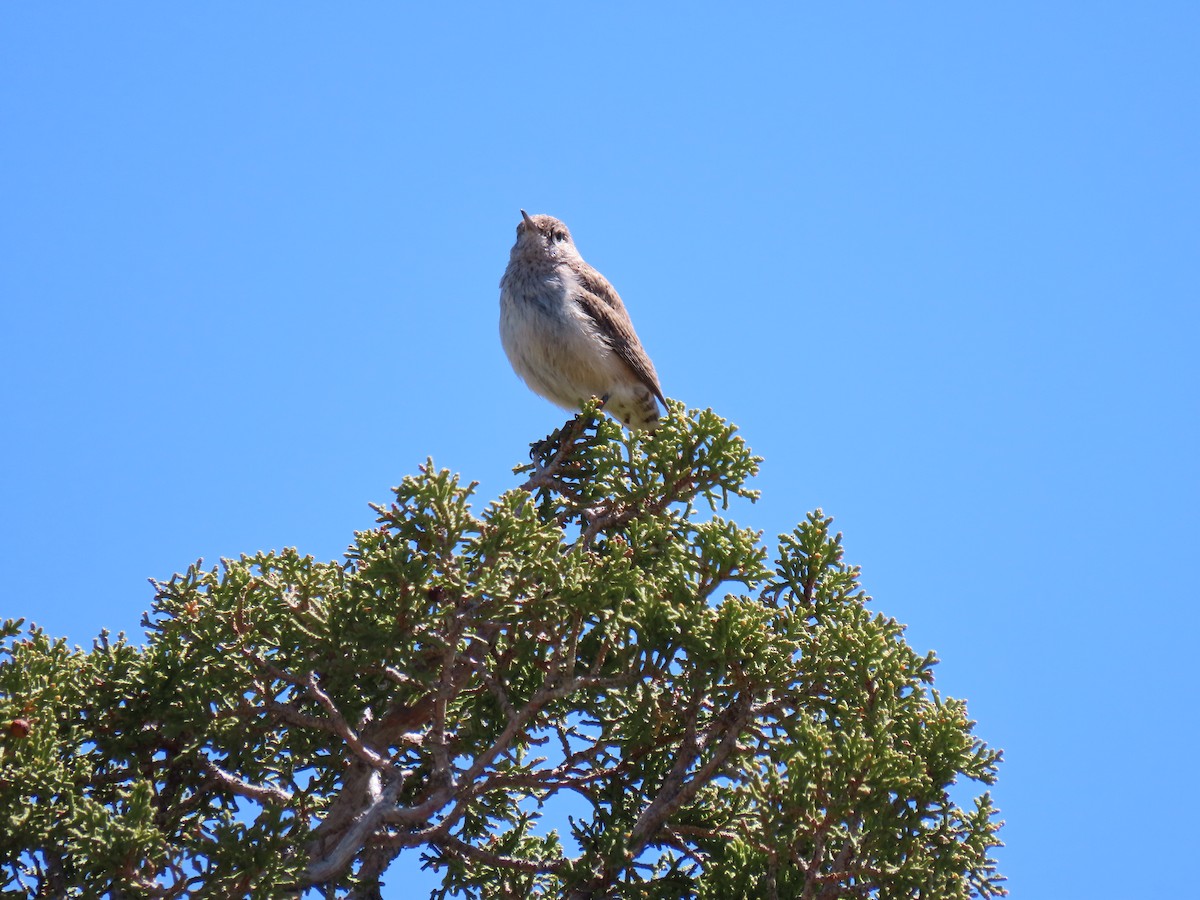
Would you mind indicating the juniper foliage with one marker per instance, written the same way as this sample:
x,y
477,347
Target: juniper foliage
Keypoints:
x,y
734,724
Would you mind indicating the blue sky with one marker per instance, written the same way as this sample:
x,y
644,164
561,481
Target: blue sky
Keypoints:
x,y
939,262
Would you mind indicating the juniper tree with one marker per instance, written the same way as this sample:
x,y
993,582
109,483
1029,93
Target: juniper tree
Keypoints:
x,y
735,723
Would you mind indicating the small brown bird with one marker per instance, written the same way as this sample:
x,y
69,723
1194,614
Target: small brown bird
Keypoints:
x,y
566,331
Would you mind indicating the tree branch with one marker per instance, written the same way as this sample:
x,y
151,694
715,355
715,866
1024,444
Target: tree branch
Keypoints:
x,y
263,794
333,862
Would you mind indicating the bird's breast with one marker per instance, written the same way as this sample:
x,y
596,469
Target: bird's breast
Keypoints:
x,y
544,291
551,341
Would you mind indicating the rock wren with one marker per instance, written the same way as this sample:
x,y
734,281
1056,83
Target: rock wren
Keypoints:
x,y
566,331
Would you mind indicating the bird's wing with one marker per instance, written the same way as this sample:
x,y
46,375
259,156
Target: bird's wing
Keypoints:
x,y
600,300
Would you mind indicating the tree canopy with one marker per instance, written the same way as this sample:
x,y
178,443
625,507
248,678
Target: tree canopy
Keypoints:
x,y
717,720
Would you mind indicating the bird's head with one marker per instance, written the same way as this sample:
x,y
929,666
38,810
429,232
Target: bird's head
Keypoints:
x,y
543,236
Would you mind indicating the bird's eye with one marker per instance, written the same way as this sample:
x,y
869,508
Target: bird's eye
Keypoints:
x,y
560,236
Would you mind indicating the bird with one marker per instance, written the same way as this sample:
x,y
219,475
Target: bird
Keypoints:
x,y
566,332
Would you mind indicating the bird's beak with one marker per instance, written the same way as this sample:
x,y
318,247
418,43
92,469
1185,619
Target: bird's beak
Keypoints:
x,y
528,221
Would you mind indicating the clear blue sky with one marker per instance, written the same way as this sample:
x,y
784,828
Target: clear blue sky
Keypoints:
x,y
940,262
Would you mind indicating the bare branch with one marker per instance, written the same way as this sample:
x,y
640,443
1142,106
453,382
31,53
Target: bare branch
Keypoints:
x,y
263,794
292,716
676,793
342,728
355,838
547,475
470,851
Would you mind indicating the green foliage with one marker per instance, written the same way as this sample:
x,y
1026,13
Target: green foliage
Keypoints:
x,y
735,729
